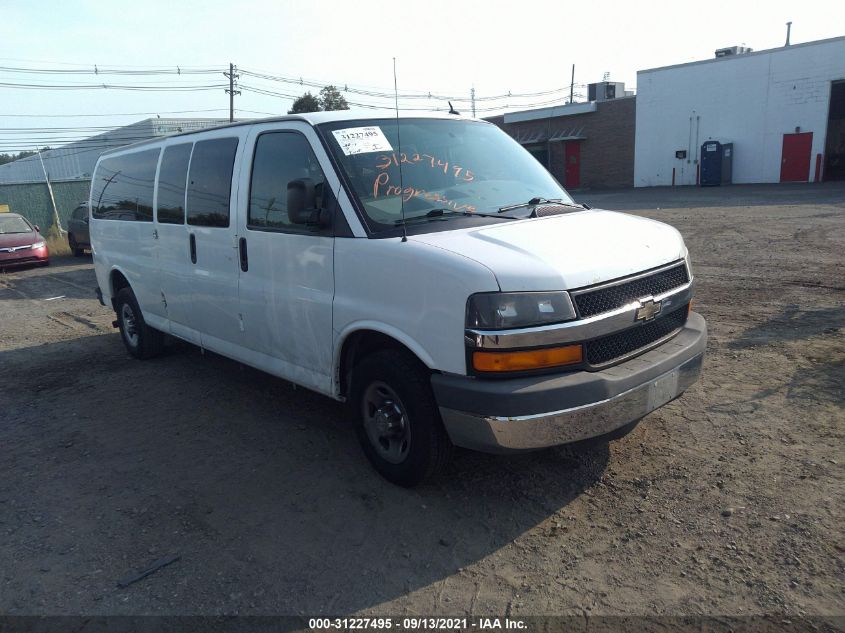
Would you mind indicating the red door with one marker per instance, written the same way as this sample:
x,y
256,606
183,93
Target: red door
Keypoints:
x,y
795,159
572,173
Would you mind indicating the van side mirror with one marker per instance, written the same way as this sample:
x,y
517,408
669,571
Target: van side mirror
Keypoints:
x,y
37,230
302,204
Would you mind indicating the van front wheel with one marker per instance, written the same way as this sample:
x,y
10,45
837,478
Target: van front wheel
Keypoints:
x,y
140,340
397,420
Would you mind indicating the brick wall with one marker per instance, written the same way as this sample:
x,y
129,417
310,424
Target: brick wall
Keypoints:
x,y
607,155
607,148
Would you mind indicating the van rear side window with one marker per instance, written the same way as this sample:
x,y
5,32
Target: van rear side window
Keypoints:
x,y
172,177
210,182
122,188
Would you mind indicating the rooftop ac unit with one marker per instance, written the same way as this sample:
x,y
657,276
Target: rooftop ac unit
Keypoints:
x,y
606,90
733,50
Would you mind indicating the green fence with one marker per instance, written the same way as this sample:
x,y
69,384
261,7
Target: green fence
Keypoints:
x,y
32,200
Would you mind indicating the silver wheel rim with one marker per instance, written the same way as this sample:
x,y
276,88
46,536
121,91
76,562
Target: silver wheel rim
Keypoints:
x,y
130,325
386,422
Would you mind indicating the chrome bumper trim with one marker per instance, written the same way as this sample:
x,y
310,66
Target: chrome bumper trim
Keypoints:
x,y
576,331
517,433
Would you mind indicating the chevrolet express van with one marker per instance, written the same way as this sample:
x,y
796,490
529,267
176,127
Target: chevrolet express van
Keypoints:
x,y
426,270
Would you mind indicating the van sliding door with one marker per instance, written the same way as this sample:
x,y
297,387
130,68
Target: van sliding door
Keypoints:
x,y
212,244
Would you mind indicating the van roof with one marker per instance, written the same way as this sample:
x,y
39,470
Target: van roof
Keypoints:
x,y
313,118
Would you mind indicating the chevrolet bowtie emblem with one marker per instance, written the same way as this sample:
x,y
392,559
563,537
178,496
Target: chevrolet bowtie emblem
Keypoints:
x,y
649,308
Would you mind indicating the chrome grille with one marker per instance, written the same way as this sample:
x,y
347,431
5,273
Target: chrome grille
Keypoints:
x,y
615,346
607,298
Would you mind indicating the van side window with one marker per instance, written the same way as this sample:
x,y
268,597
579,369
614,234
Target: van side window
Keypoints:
x,y
172,176
122,187
281,157
210,182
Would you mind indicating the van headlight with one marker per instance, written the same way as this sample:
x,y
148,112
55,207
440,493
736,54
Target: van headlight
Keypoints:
x,y
506,310
37,245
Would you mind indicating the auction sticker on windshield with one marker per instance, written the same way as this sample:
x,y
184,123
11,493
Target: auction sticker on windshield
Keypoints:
x,y
362,140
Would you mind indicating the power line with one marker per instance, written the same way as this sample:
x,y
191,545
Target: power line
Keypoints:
x,y
367,97
403,95
71,116
91,65
299,81
95,70
177,88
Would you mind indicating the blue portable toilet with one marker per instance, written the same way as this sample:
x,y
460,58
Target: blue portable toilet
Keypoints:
x,y
716,164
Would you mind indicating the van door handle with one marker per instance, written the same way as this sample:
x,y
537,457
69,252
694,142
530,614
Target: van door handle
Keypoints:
x,y
193,242
243,254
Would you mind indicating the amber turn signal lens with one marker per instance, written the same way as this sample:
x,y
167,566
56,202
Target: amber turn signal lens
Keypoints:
x,y
532,359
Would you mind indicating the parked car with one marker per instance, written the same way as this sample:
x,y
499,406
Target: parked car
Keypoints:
x,y
77,230
21,242
426,270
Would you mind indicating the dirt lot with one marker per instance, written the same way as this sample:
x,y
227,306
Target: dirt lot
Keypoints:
x,y
728,501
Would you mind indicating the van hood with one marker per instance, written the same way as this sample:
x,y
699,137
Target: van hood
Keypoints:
x,y
564,252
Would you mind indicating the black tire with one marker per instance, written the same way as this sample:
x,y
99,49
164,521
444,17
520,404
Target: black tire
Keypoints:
x,y
429,449
140,340
74,247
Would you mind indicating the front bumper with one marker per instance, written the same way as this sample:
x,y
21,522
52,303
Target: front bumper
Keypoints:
x,y
24,257
531,413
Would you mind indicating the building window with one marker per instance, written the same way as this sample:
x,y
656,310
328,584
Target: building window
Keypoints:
x,y
540,151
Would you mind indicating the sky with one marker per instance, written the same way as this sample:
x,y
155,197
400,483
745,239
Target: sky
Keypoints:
x,y
445,48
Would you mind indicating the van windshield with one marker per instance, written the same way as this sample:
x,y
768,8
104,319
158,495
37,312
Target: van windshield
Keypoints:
x,y
449,166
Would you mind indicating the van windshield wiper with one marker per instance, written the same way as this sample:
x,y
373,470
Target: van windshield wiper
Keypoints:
x,y
535,201
447,214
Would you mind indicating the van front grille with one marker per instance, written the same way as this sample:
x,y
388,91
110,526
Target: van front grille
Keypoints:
x,y
607,298
606,349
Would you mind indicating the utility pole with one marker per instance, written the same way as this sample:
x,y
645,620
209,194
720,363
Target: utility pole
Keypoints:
x,y
572,86
472,99
233,82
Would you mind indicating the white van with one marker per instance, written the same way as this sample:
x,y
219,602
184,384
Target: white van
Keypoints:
x,y
425,269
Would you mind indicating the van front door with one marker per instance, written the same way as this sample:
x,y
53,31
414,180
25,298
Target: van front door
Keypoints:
x,y
212,243
286,269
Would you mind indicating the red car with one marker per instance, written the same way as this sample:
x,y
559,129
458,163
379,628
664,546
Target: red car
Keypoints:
x,y
20,242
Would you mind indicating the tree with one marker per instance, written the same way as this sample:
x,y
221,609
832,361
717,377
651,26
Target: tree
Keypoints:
x,y
8,158
305,103
331,99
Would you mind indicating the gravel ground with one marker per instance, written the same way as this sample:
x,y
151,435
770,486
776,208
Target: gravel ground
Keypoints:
x,y
727,501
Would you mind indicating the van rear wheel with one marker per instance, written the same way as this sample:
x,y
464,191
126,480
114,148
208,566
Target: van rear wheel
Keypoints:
x,y
140,340
397,419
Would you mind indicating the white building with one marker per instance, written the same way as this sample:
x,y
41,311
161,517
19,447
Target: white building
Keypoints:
x,y
783,109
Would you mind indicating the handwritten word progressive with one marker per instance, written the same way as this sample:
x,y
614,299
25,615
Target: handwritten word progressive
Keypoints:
x,y
382,181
